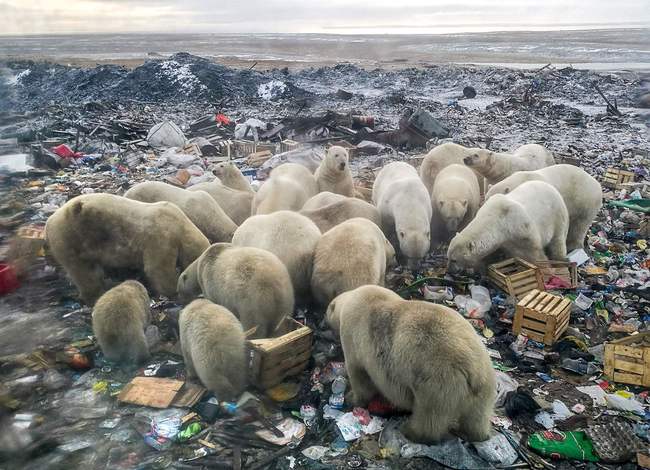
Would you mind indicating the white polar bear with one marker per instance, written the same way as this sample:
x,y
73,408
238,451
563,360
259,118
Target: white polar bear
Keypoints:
x,y
322,199
289,186
334,174
405,209
352,254
441,157
231,176
582,194
455,199
289,236
531,222
235,203
496,166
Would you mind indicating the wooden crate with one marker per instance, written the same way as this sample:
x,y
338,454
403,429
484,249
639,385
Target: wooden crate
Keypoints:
x,y
627,360
562,269
542,316
615,178
516,277
272,360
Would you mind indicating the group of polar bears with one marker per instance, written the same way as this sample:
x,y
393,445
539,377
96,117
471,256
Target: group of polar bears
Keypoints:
x,y
301,236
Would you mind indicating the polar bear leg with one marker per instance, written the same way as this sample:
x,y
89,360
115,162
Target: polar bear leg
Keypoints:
x,y
160,269
557,248
362,388
430,419
577,233
89,279
475,425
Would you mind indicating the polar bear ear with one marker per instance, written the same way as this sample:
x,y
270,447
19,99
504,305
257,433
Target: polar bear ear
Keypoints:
x,y
471,245
464,203
506,190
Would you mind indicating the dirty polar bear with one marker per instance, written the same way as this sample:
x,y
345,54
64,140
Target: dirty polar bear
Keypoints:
x,y
531,222
199,206
422,357
250,282
231,177
289,186
345,208
350,255
454,201
119,319
212,342
288,235
95,233
581,192
405,209
496,166
236,204
334,174
440,157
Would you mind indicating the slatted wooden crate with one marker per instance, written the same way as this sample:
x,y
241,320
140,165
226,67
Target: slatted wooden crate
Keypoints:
x,y
515,276
272,360
627,360
615,178
542,316
562,269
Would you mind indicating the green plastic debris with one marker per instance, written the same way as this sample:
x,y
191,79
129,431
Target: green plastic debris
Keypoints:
x,y
189,431
573,445
638,205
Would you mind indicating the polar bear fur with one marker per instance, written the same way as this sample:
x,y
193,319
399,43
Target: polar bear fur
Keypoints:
x,y
289,186
331,215
198,206
236,204
581,192
252,283
441,157
119,319
322,199
94,233
454,201
334,174
496,166
290,236
405,209
350,255
422,357
530,222
231,176
212,341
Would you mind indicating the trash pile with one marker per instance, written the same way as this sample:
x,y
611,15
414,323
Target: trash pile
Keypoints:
x,y
573,381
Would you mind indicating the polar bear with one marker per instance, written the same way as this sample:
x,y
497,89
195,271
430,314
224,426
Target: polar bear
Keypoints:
x,y
454,200
252,283
405,209
331,215
119,320
530,222
231,176
290,236
198,206
213,346
289,186
352,254
422,357
441,157
496,166
334,174
581,192
93,234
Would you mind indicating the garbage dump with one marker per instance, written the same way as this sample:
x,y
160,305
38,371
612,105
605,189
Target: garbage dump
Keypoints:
x,y
567,339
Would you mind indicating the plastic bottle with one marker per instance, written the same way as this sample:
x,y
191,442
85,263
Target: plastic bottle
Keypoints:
x,y
338,392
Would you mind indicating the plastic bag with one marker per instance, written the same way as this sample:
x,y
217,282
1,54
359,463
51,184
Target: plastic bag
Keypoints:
x,y
570,445
166,134
497,449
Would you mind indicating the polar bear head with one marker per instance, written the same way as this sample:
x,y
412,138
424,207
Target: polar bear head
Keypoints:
x,y
452,213
480,158
337,158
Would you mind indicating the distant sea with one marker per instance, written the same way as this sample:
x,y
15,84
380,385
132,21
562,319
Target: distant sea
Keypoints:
x,y
598,49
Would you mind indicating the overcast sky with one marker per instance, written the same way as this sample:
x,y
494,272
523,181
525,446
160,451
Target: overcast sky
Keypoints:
x,y
316,16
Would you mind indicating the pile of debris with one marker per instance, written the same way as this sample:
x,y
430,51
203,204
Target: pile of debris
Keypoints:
x,y
572,382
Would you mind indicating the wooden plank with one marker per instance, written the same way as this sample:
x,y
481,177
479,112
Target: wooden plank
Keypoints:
x,y
641,337
609,361
561,326
535,336
621,365
628,378
628,351
534,325
528,280
287,365
522,275
271,381
549,308
285,340
535,314
270,359
565,304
